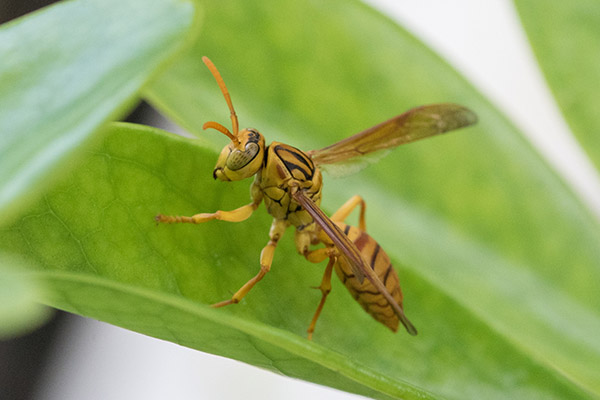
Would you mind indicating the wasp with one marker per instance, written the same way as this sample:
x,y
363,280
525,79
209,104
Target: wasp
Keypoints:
x,y
289,181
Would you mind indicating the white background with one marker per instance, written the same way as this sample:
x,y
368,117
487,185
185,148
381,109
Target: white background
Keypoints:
x,y
484,40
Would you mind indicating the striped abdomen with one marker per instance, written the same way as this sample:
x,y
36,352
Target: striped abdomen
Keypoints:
x,y
366,294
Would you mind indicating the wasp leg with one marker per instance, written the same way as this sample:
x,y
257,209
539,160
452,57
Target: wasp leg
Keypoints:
x,y
319,255
266,259
237,215
342,213
325,288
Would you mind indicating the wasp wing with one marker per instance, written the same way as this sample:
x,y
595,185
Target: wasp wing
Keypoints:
x,y
353,256
417,123
341,241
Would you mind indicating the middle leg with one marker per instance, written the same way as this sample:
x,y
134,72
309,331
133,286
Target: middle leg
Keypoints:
x,y
266,259
325,288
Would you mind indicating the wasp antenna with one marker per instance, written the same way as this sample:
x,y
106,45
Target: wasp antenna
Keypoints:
x,y
222,129
221,83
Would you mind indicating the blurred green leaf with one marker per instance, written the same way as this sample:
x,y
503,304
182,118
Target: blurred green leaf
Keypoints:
x,y
565,38
67,69
20,310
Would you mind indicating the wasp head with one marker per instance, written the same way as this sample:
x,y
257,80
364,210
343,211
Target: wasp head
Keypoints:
x,y
242,158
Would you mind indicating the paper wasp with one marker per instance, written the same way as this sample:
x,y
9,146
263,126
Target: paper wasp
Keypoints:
x,y
289,181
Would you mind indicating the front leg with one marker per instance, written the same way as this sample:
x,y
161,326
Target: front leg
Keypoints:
x,y
237,215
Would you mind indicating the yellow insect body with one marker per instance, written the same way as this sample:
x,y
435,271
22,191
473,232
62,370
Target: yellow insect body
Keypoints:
x,y
365,293
284,164
290,182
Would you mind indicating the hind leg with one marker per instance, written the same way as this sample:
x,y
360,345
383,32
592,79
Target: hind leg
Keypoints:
x,y
342,213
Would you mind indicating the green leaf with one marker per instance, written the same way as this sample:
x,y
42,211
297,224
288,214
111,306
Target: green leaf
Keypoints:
x,y
198,326
20,310
67,69
565,37
102,253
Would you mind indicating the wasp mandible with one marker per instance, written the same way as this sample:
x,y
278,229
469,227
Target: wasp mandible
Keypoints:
x,y
289,182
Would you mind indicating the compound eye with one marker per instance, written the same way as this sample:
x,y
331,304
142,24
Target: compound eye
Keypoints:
x,y
238,159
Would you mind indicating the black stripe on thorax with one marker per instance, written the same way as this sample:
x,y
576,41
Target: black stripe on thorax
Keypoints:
x,y
266,156
304,165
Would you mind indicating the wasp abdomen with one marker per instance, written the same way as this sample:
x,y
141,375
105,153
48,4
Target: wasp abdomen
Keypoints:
x,y
365,293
